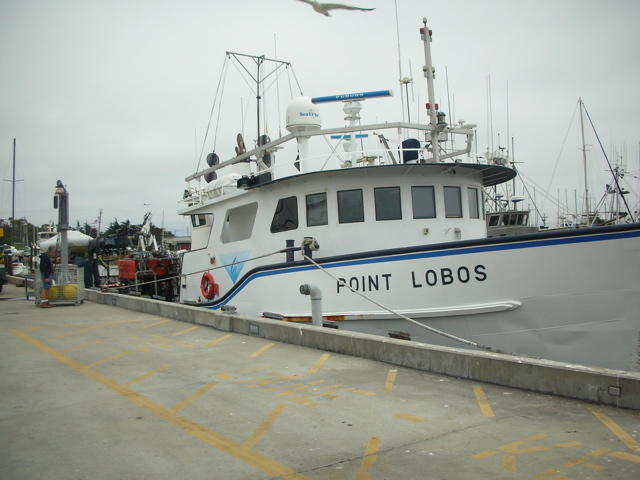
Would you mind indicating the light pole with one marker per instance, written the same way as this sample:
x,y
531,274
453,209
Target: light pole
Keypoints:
x,y
61,202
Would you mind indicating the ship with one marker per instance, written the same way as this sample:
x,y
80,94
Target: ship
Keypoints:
x,y
380,228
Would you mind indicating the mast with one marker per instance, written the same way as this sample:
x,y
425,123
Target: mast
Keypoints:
x,y
584,161
429,73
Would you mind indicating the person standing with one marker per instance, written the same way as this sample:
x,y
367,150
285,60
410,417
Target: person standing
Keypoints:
x,y
46,273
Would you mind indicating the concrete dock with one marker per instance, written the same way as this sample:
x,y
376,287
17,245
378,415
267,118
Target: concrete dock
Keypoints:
x,y
128,388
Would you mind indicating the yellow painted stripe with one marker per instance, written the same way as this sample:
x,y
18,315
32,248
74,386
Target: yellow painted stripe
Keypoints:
x,y
319,363
262,350
194,397
412,418
82,346
223,376
370,457
224,444
219,340
80,331
264,426
146,375
574,462
626,456
184,331
483,455
154,324
100,362
624,437
391,379
566,445
481,398
547,473
509,462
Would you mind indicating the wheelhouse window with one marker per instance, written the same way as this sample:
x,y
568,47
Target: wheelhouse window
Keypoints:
x,y
424,202
472,194
387,202
350,206
238,224
317,209
286,215
200,220
452,202
494,220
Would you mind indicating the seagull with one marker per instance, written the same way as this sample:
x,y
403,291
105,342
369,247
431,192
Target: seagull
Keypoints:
x,y
325,7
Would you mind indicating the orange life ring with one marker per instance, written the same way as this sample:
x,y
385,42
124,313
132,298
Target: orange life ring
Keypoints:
x,y
208,286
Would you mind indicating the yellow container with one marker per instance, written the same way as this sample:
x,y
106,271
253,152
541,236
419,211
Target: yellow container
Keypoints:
x,y
70,292
54,292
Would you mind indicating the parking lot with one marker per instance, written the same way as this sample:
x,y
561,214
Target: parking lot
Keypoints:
x,y
95,391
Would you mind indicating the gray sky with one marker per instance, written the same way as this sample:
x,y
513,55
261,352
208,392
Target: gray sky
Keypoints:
x,y
114,98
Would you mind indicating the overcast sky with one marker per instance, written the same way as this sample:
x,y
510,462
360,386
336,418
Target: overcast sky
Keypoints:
x,y
113,97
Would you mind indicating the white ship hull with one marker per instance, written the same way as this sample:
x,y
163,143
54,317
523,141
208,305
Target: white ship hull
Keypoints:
x,y
535,295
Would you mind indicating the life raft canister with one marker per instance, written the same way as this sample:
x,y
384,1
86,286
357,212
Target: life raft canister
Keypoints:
x,y
209,287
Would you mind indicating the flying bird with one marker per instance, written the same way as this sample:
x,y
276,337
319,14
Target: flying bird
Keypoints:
x,y
324,8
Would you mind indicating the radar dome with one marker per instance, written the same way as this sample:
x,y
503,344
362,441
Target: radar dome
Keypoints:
x,y
302,115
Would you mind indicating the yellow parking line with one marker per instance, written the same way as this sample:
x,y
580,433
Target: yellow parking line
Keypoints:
x,y
319,363
184,331
80,331
195,396
391,379
485,408
219,340
264,426
407,416
224,444
262,350
82,346
370,457
142,377
110,358
624,437
154,324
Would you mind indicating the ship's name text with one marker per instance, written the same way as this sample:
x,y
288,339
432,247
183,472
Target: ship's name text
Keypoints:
x,y
430,278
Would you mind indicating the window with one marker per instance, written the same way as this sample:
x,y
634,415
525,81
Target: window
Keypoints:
x,y
286,215
424,202
474,211
493,220
199,220
387,201
317,209
452,202
238,223
350,206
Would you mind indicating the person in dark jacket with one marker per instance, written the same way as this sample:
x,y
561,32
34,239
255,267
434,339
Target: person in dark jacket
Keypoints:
x,y
46,273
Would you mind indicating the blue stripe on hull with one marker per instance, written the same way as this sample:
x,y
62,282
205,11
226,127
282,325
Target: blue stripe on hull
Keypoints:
x,y
432,251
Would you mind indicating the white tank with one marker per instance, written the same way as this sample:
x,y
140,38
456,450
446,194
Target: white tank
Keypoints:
x,y
302,115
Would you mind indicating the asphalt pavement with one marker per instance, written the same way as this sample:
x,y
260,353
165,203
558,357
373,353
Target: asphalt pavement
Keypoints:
x,y
93,391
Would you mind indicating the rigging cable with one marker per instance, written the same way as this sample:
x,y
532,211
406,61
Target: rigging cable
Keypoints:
x,y
609,163
220,83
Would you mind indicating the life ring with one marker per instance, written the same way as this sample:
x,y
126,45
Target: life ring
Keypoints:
x,y
208,286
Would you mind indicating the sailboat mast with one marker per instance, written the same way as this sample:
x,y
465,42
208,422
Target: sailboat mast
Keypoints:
x,y
13,193
584,161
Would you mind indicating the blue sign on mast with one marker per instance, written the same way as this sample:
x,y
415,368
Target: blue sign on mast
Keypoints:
x,y
348,97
